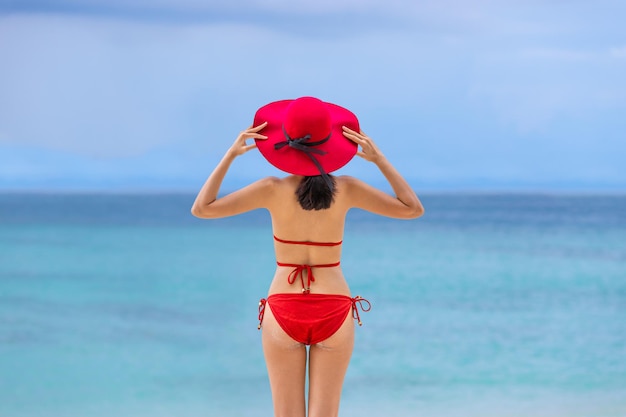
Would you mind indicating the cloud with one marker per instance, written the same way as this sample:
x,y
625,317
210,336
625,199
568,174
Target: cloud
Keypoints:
x,y
618,52
557,54
323,19
533,88
318,18
101,87
114,88
448,88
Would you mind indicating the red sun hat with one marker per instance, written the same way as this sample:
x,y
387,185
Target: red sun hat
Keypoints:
x,y
305,136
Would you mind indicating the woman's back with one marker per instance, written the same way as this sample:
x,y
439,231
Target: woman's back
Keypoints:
x,y
291,222
307,237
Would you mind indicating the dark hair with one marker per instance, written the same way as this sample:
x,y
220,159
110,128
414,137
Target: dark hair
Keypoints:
x,y
314,194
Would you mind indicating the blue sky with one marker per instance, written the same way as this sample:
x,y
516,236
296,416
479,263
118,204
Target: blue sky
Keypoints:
x,y
480,95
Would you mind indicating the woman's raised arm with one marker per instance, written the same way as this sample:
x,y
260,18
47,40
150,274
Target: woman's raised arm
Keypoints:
x,y
406,204
207,205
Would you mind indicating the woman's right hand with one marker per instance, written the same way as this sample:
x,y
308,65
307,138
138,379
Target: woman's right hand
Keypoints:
x,y
240,147
369,151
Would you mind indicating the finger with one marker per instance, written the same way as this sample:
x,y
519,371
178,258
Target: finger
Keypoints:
x,y
360,134
248,147
353,137
249,135
255,136
257,128
361,154
348,131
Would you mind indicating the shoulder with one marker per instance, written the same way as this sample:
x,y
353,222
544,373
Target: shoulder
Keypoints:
x,y
276,182
265,184
357,193
275,185
350,189
269,181
346,182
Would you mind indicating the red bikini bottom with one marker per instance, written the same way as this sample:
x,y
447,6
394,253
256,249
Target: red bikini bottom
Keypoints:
x,y
312,318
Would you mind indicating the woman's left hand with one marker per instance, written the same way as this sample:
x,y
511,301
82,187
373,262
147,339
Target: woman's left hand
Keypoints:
x,y
369,151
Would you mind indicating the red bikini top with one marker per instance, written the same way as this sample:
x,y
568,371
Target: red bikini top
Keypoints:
x,y
307,242
299,269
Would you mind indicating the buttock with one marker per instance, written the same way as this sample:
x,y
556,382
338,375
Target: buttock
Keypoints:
x,y
312,318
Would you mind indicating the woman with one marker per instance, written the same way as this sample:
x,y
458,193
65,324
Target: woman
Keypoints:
x,y
309,301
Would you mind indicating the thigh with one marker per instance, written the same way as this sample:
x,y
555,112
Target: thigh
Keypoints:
x,y
328,363
286,366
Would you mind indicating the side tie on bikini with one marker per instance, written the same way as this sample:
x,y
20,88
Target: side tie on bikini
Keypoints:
x,y
358,302
262,303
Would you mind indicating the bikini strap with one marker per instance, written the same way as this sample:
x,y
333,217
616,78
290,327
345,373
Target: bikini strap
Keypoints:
x,y
298,272
359,301
307,242
261,311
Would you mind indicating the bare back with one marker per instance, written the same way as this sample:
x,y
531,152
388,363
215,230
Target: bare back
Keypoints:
x,y
291,222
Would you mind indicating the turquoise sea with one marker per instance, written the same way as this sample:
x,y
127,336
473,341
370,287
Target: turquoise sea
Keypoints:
x,y
491,305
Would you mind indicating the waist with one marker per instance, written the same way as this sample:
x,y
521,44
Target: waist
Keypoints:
x,y
327,277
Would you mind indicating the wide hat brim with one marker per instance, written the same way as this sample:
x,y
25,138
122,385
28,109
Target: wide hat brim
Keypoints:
x,y
338,149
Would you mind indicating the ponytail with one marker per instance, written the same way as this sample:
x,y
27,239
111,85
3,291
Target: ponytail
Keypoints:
x,y
314,192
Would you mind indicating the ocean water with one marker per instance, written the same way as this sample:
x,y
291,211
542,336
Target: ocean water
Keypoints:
x,y
489,305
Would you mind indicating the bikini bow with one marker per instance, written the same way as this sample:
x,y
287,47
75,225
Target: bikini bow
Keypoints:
x,y
298,271
359,301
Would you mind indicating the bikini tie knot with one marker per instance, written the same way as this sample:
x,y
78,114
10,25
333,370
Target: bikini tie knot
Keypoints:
x,y
261,311
365,305
298,272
